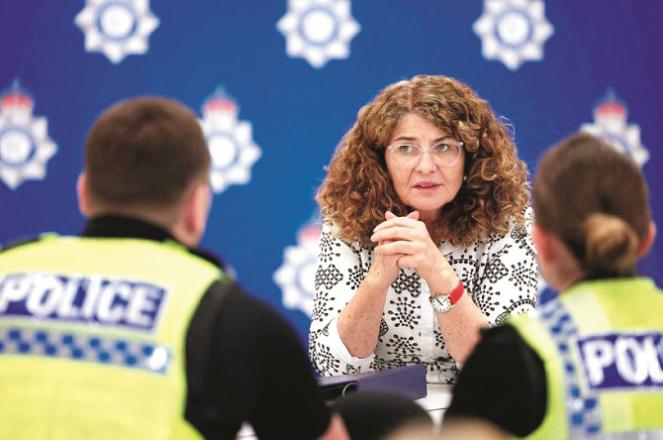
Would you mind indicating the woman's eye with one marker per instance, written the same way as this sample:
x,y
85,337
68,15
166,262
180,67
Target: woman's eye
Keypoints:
x,y
406,149
441,148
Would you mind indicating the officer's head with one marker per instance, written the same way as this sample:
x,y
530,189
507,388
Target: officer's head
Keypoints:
x,y
147,157
592,212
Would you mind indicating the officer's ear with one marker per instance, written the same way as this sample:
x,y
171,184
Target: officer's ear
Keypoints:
x,y
648,242
83,195
196,211
544,243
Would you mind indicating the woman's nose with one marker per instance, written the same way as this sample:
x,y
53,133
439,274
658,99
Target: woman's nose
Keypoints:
x,y
426,162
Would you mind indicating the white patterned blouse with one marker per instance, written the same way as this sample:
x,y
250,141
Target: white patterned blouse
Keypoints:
x,y
500,274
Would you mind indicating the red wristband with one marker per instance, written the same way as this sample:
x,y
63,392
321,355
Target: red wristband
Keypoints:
x,y
455,294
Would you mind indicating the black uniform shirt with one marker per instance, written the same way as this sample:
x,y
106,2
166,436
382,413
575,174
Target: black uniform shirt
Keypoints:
x,y
503,381
244,362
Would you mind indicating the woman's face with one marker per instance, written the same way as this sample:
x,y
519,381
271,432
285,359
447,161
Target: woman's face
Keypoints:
x,y
423,182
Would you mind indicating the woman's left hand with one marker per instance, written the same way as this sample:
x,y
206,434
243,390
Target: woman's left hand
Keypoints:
x,y
409,237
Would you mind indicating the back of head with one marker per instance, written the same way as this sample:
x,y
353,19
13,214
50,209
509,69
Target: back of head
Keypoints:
x,y
596,201
144,152
373,415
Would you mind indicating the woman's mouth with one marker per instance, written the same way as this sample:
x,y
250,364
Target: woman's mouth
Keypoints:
x,y
426,185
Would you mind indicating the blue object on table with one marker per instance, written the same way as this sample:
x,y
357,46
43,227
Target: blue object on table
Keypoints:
x,y
409,381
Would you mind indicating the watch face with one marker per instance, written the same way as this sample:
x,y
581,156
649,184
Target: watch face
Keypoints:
x,y
441,303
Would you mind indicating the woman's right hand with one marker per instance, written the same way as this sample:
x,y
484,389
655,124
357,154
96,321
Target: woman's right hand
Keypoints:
x,y
359,322
385,269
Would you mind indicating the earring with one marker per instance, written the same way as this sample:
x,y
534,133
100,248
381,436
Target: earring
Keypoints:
x,y
465,178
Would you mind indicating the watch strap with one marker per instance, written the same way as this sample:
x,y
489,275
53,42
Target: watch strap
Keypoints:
x,y
456,293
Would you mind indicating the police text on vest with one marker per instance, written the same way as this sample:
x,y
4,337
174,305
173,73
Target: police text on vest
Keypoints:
x,y
94,299
623,360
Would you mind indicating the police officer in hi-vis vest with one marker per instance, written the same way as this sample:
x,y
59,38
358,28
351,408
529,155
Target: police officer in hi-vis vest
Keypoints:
x,y
588,364
129,332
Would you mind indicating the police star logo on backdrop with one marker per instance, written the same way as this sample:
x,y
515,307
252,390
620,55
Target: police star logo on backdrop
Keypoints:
x,y
318,30
24,143
117,28
296,276
610,123
513,31
229,140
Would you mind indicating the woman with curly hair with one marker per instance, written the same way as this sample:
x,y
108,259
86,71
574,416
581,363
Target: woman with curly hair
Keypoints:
x,y
426,235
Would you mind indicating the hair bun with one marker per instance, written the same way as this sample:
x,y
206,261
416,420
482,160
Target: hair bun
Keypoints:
x,y
610,244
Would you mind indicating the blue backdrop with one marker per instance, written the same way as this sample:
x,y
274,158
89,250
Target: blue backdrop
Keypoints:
x,y
298,112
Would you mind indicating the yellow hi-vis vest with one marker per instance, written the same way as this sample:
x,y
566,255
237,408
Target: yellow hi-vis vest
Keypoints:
x,y
601,343
92,336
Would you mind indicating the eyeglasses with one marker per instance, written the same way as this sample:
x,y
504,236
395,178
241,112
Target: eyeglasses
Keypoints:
x,y
444,154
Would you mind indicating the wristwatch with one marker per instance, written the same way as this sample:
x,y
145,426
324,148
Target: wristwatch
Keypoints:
x,y
444,303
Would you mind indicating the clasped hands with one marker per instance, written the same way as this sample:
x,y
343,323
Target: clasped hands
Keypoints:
x,y
404,242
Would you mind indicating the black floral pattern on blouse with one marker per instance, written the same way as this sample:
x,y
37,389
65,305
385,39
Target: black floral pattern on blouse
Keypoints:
x,y
500,275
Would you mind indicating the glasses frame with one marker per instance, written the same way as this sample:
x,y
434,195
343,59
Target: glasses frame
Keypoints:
x,y
461,148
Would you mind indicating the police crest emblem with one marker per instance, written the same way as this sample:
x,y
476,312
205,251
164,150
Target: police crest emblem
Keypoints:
x,y
24,143
116,28
296,276
229,140
513,31
610,123
318,30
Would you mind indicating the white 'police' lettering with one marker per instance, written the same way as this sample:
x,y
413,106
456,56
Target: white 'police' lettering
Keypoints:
x,y
66,309
623,360
631,361
117,302
598,355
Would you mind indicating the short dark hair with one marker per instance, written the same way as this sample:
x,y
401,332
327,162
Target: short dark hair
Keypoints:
x,y
145,151
595,199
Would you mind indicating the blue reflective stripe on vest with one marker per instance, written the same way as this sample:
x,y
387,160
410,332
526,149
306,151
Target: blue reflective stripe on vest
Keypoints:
x,y
583,411
85,348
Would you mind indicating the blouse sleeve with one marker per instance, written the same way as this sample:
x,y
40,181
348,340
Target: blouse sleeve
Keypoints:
x,y
509,281
341,269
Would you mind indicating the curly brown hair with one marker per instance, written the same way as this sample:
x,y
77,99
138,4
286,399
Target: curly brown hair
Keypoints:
x,y
358,190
